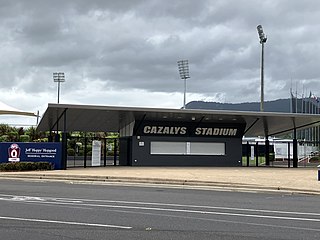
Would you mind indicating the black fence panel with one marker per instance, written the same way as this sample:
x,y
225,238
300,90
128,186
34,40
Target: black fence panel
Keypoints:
x,y
79,151
280,153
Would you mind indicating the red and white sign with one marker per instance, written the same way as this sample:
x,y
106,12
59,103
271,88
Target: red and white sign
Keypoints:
x,y
14,153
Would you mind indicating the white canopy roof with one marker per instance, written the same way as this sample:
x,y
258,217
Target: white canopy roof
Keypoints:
x,y
8,110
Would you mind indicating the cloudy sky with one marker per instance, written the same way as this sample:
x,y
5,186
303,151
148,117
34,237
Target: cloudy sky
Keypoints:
x,y
125,52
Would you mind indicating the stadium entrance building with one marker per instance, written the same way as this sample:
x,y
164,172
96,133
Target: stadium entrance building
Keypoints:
x,y
175,137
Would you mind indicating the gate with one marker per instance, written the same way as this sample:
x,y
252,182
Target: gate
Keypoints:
x,y
92,151
254,154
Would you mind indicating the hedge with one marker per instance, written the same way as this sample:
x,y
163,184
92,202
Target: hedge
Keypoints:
x,y
26,166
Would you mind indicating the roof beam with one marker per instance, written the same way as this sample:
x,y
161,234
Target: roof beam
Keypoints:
x,y
254,123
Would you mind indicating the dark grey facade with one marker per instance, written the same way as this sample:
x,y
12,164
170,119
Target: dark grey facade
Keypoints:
x,y
160,143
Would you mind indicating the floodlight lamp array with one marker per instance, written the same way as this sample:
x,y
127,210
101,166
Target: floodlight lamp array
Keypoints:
x,y
262,36
58,77
183,66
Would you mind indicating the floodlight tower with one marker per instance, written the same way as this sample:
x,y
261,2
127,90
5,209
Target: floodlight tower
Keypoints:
x,y
59,78
263,40
183,67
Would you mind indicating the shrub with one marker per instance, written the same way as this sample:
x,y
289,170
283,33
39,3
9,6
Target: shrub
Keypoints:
x,y
4,138
44,166
71,152
89,148
26,166
24,138
81,152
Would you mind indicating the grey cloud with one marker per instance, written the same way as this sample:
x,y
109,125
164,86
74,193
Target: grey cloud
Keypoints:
x,y
136,44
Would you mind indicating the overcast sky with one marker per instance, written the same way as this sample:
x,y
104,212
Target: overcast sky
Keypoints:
x,y
125,52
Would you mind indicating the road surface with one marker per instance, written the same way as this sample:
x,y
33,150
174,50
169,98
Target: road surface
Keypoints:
x,y
65,210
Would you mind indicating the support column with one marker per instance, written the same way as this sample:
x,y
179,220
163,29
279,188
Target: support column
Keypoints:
x,y
115,152
288,154
64,142
295,149
105,152
257,154
50,137
57,137
85,151
248,154
267,152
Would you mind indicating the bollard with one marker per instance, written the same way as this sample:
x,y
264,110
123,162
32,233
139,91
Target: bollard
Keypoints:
x,y
318,172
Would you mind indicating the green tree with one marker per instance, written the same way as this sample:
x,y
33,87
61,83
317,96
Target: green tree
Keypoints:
x,y
35,135
5,129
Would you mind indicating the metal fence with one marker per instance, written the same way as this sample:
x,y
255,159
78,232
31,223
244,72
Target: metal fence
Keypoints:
x,y
80,152
280,153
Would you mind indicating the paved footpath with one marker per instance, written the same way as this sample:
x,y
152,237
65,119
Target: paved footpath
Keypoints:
x,y
294,180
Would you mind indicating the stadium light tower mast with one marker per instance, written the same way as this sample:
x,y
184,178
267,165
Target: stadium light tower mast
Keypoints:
x,y
183,67
263,40
59,78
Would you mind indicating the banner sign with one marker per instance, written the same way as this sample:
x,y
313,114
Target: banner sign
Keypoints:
x,y
96,153
153,128
31,152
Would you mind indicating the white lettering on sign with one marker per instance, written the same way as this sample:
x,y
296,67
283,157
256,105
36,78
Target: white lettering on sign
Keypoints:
x,y
164,130
216,131
200,131
40,150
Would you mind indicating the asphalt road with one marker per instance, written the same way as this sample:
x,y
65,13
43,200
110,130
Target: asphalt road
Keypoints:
x,y
58,210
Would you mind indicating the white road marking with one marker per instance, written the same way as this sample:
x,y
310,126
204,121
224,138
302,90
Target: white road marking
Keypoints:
x,y
26,198
201,206
70,200
81,203
224,221
53,201
64,222
206,212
